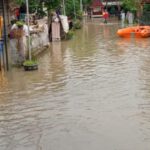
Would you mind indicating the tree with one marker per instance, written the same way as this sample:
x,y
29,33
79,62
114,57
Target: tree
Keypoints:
x,y
132,5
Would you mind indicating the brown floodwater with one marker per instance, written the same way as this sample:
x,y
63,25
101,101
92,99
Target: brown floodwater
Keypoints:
x,y
90,93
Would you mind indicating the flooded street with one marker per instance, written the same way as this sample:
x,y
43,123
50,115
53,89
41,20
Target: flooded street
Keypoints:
x,y
90,93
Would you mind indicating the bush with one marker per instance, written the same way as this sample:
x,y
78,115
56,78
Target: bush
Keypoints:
x,y
77,24
69,35
79,15
146,8
30,62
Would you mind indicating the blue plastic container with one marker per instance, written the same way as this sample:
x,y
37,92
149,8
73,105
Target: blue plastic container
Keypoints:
x,y
1,47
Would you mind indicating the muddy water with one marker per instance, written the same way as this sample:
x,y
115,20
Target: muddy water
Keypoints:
x,y
90,93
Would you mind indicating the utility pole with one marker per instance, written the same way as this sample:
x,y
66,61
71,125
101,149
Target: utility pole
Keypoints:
x,y
74,9
81,5
64,8
28,22
5,33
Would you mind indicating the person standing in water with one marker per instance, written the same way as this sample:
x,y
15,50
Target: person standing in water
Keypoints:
x,y
55,27
105,16
122,18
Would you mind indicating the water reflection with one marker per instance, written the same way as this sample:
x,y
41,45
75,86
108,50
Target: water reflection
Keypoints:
x,y
57,66
3,80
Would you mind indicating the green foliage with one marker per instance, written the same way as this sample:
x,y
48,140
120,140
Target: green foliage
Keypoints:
x,y
77,24
20,1
30,63
131,5
71,9
86,2
79,15
19,23
52,4
33,5
69,35
146,7
55,4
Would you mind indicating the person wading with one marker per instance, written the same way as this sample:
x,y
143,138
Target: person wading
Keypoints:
x,y
105,16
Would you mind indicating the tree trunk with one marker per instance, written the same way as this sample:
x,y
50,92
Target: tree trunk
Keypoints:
x,y
50,25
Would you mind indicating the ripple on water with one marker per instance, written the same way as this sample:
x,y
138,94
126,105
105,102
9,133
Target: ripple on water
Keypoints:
x,y
88,92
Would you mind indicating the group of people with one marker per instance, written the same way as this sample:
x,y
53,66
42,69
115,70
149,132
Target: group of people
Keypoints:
x,y
19,13
127,16
18,34
18,41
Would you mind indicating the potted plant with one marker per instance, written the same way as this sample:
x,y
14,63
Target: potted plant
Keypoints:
x,y
30,65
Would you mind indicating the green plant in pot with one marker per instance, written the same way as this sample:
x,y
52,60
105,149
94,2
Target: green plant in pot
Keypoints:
x,y
30,65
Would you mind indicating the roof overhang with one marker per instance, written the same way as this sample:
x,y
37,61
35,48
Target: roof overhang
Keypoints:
x,y
112,3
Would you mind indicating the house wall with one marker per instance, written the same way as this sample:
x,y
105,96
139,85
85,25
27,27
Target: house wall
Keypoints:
x,y
39,40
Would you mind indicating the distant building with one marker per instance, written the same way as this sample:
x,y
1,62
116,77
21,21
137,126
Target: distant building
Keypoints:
x,y
113,6
96,8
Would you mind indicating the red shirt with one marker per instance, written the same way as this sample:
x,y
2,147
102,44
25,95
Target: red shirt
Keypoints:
x,y
105,15
17,12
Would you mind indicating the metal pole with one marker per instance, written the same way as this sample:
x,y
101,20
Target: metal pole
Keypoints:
x,y
28,23
81,6
5,38
74,9
64,7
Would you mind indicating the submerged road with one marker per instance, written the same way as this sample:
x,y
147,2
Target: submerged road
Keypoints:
x,y
90,93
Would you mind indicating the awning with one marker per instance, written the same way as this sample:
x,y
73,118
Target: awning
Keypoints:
x,y
96,3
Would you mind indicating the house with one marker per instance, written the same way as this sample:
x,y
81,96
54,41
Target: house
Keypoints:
x,y
96,8
113,6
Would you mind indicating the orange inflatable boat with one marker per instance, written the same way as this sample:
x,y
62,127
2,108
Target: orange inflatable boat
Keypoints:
x,y
137,31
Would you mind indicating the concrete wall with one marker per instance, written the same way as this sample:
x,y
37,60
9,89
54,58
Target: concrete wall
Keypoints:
x,y
39,41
